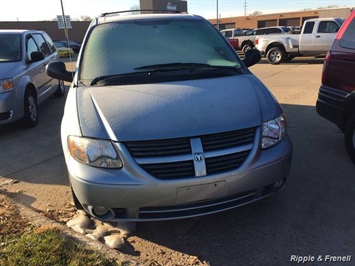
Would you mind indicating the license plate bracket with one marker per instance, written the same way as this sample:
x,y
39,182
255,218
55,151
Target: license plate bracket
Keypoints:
x,y
202,192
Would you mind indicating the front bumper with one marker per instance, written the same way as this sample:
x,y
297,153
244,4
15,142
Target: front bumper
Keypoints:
x,y
331,105
7,106
132,194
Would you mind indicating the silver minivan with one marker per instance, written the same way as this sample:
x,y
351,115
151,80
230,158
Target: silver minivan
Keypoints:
x,y
24,83
163,120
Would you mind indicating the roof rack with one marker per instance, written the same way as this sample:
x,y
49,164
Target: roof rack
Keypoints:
x,y
140,10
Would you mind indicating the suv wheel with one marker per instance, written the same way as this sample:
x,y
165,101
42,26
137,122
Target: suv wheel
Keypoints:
x,y
350,138
275,55
30,118
60,90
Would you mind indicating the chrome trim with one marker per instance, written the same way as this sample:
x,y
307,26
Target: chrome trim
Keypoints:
x,y
197,150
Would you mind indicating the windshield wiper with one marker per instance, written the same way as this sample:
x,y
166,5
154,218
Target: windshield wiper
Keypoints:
x,y
185,66
100,78
152,69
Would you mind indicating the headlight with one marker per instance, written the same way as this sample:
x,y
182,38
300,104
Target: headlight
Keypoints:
x,y
273,131
94,152
6,85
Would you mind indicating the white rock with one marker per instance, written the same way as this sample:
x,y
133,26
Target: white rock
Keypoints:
x,y
78,229
114,241
91,236
125,227
81,220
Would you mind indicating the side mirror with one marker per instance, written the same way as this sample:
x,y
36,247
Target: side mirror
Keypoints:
x,y
252,57
36,56
59,71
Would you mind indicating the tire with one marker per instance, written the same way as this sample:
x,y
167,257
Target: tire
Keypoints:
x,y
350,138
30,118
60,92
77,204
246,48
276,55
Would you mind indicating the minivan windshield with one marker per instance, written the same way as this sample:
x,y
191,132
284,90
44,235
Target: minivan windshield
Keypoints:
x,y
126,47
10,47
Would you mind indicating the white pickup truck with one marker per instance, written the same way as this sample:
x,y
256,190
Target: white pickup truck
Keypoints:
x,y
316,37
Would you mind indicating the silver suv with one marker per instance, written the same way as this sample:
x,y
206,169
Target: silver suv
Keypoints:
x,y
163,120
24,82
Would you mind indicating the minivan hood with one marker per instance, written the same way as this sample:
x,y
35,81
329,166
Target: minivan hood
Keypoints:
x,y
6,68
174,109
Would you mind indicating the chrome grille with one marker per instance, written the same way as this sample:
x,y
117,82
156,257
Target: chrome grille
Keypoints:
x,y
175,158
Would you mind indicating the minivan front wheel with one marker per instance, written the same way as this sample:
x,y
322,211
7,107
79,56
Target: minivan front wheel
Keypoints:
x,y
350,138
30,118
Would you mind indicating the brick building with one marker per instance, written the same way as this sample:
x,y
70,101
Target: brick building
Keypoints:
x,y
279,19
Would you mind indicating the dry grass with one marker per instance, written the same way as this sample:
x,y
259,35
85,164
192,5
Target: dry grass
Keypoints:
x,y
22,243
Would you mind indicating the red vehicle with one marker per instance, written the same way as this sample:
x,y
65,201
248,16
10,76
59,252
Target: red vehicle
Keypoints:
x,y
336,98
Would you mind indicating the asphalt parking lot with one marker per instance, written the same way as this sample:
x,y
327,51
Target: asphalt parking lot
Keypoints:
x,y
312,216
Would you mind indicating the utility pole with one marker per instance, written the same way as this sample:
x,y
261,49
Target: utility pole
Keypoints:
x,y
245,8
65,24
217,17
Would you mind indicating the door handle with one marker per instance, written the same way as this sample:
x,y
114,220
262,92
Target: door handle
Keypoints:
x,y
317,36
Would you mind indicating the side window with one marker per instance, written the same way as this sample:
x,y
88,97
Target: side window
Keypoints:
x,y
228,34
49,42
41,44
308,28
328,27
275,30
266,31
31,47
238,32
348,38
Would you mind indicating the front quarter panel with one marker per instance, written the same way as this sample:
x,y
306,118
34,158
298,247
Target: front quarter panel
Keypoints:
x,y
70,123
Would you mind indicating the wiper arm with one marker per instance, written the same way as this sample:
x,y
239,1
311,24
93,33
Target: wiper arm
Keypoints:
x,y
97,79
100,78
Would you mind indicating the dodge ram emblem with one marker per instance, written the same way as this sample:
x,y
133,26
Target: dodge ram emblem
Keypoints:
x,y
199,156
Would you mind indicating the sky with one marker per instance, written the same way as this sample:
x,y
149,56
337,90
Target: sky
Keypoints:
x,y
37,10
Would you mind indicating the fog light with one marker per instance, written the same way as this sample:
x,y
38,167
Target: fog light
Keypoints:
x,y
100,210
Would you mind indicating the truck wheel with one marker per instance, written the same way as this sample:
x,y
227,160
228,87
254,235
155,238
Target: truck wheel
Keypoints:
x,y
246,48
275,55
30,118
350,138
59,93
